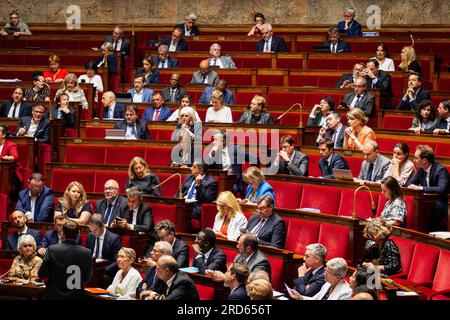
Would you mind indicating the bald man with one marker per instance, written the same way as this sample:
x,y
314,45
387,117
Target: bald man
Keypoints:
x,y
112,109
110,206
205,75
362,296
175,91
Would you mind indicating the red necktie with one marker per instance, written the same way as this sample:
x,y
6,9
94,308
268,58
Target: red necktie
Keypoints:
x,y
156,115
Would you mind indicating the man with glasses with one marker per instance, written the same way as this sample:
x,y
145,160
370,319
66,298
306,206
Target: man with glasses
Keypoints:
x,y
110,206
175,91
159,111
291,161
269,42
163,60
175,42
268,226
348,79
335,43
360,98
134,128
349,26
35,126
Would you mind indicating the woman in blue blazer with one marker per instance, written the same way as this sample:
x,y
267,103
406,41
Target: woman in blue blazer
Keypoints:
x,y
257,185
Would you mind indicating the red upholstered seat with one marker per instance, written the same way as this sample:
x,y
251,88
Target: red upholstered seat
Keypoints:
x,y
158,156
301,233
209,212
323,198
169,188
406,248
269,80
335,239
355,165
442,149
5,264
44,156
205,292
84,154
245,97
276,266
162,211
94,132
283,98
313,165
363,203
163,135
114,155
396,122
102,176
61,178
287,195
83,238
3,207
441,281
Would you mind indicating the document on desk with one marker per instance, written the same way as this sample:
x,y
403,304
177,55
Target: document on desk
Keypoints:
x,y
189,270
406,294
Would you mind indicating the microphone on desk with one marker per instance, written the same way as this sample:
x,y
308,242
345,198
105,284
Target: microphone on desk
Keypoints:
x,y
374,208
301,110
412,38
180,193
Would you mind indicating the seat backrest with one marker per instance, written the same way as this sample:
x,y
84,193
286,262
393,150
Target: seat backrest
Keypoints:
x,y
276,267
406,248
423,265
313,165
84,154
209,212
61,179
162,211
363,203
301,233
122,155
102,176
441,281
287,195
335,239
323,198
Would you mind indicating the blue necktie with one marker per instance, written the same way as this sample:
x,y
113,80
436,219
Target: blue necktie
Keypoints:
x,y
369,173
191,191
97,249
133,130
258,227
108,213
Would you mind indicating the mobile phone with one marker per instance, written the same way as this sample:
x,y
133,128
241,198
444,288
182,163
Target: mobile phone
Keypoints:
x,y
343,104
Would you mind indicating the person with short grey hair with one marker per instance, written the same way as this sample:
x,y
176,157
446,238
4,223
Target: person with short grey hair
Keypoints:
x,y
334,41
349,25
163,60
269,42
127,278
26,265
217,60
188,27
311,274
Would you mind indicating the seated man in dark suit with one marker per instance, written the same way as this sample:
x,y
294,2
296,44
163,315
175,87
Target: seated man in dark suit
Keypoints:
x,y
172,284
199,186
267,225
159,249
104,245
443,122
415,94
64,262
329,159
55,236
250,255
375,164
221,86
175,42
431,177
159,111
163,60
165,230
333,130
35,126
291,161
335,43
188,28
380,80
349,26
175,91
205,75
134,128
112,109
62,111
19,221
36,202
311,274
208,256
110,206
360,98
16,108
348,80
236,279
269,42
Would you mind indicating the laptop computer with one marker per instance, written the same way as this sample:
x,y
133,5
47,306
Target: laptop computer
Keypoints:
x,y
321,48
115,134
343,174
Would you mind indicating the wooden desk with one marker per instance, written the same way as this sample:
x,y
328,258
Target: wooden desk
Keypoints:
x,y
13,291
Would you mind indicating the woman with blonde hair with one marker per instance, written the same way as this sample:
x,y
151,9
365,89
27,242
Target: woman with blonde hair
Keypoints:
x,y
185,101
409,60
257,185
229,218
26,265
74,204
55,74
140,176
218,112
357,133
127,279
108,58
257,113
73,90
260,289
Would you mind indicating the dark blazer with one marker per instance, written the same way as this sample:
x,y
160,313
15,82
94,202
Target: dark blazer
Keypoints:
x,y
384,85
111,59
339,143
182,45
24,111
207,93
420,95
42,133
119,111
240,293
124,48
144,220
111,246
341,47
381,165
206,192
51,238
310,284
171,62
345,76
246,117
55,266
217,260
164,113
102,205
442,123
141,128
148,280
298,167
278,45
43,210
68,118
366,103
273,233
258,261
180,251
194,30
337,161
12,240
182,288
354,30
178,94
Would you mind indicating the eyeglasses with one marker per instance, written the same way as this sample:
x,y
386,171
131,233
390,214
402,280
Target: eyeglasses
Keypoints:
x,y
110,188
262,208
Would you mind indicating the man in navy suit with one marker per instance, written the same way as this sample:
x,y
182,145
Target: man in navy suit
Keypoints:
x,y
175,91
335,43
349,26
19,221
36,202
139,93
110,206
188,28
431,177
112,109
176,42
334,130
221,86
163,60
199,186
236,279
159,249
36,126
103,245
165,230
159,111
16,108
134,129
208,256
268,226
269,42
311,274
380,80
329,159
443,122
414,94
119,41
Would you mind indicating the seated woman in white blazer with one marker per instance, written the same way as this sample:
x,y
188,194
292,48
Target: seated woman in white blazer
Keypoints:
x,y
127,278
229,218
335,287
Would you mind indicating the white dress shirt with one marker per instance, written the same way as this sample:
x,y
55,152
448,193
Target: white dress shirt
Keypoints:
x,y
16,114
137,97
101,238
